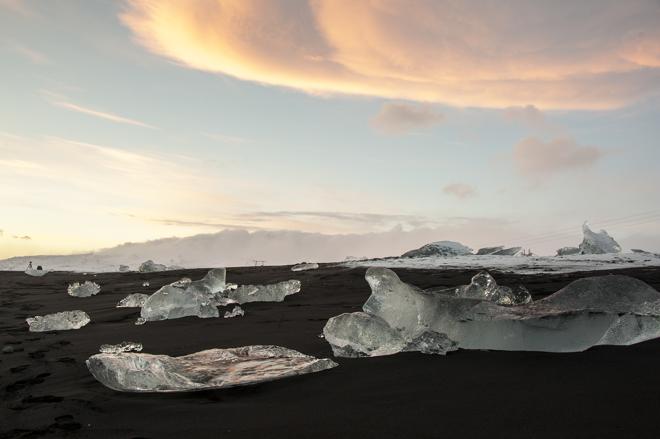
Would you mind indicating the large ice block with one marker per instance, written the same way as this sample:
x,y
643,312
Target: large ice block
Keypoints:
x,y
597,242
210,369
263,293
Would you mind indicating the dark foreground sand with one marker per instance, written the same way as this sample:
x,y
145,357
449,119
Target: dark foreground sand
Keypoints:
x,y
46,390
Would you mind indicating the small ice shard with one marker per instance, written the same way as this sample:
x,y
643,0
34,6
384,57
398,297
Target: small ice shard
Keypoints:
x,y
85,289
595,243
182,299
263,293
135,300
60,321
568,251
511,251
237,311
150,267
146,283
603,310
439,248
489,250
35,272
210,369
140,321
484,287
305,266
124,346
124,268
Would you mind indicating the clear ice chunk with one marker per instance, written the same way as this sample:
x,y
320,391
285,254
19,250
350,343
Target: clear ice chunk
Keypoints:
x,y
135,300
359,334
597,242
237,311
85,289
602,310
150,267
263,293
484,287
210,369
489,250
568,251
124,346
124,268
182,299
60,321
305,266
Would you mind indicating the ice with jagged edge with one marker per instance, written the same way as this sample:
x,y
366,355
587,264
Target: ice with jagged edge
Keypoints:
x,y
303,266
124,346
85,289
60,321
151,267
601,310
597,242
135,300
209,369
236,312
483,287
186,298
263,293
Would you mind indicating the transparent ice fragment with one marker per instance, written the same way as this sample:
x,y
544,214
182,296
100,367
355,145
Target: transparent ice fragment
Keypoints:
x,y
359,334
135,300
60,321
124,346
597,242
85,289
237,311
305,266
264,293
210,369
484,287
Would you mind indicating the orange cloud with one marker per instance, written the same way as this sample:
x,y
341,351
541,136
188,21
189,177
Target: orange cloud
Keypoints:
x,y
594,54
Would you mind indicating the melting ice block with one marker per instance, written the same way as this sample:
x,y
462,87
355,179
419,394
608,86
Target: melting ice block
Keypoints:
x,y
210,369
186,298
35,273
603,310
484,287
597,242
124,346
263,293
305,266
85,289
439,248
150,267
60,321
135,300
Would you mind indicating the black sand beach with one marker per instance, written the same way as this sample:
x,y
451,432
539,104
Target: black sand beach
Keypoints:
x,y
46,390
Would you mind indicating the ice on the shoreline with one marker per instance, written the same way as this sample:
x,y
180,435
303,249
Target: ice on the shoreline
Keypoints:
x,y
124,268
60,321
597,242
602,310
135,300
439,248
124,346
210,369
186,298
263,293
236,312
35,273
568,251
85,289
484,287
151,267
511,251
305,266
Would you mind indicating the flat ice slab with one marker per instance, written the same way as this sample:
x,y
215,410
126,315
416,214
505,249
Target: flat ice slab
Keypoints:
x,y
263,293
519,264
210,369
60,321
305,266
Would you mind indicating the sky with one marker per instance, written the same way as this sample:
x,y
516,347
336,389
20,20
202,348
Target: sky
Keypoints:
x,y
482,122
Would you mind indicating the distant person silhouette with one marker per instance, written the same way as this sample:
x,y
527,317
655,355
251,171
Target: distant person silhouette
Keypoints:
x,y
30,266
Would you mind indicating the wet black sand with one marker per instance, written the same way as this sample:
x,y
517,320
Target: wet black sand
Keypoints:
x,y
46,390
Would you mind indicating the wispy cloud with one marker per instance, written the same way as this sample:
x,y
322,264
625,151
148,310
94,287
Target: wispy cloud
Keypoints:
x,y
527,115
63,102
34,56
536,158
400,118
24,237
460,190
225,139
